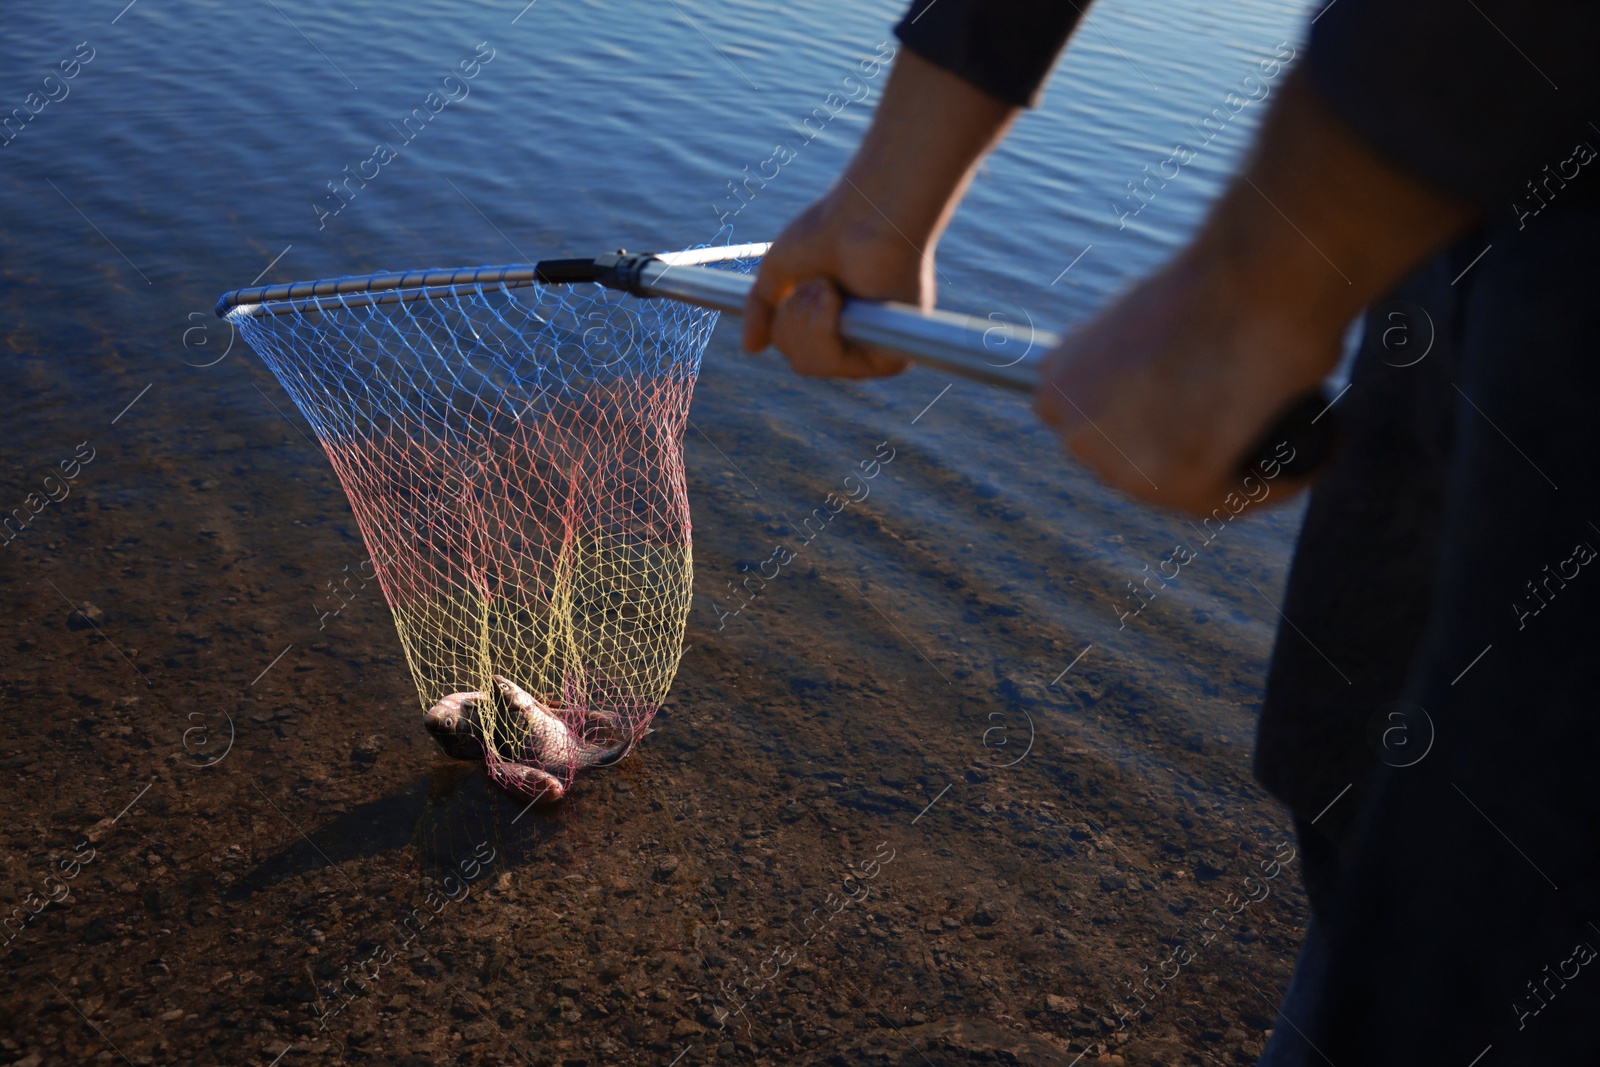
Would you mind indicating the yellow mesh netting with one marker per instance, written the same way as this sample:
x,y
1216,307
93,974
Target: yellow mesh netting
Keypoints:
x,y
514,461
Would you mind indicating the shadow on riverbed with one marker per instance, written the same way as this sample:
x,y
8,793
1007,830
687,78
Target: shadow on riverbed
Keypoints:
x,y
437,817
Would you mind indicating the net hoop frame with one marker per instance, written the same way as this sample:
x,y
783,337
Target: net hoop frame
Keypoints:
x,y
396,286
398,395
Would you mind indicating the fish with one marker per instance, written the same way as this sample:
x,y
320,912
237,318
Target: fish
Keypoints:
x,y
453,722
457,724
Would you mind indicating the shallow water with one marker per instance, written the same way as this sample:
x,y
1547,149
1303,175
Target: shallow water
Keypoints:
x,y
883,689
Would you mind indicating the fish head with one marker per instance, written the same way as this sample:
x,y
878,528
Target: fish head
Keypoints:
x,y
517,697
454,723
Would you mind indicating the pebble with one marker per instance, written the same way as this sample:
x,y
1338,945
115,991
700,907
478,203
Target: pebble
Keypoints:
x,y
367,751
85,617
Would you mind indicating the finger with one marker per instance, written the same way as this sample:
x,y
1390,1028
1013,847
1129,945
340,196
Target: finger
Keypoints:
x,y
1049,401
854,361
759,303
805,328
1045,406
860,362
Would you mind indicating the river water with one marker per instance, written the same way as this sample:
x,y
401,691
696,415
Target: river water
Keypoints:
x,y
282,801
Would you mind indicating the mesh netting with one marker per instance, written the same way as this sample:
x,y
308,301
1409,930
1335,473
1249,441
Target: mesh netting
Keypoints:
x,y
514,460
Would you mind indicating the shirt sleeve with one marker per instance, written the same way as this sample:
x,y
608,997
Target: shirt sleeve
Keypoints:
x,y
1476,96
1003,47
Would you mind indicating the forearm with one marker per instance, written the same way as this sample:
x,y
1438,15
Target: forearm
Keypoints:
x,y
873,234
928,135
1318,226
1187,370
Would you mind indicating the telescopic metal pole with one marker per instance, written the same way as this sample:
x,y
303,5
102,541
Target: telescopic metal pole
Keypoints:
x,y
1001,354
996,354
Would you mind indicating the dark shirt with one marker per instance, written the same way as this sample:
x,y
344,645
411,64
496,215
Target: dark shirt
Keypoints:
x,y
1443,771
1496,100
1475,97
1004,47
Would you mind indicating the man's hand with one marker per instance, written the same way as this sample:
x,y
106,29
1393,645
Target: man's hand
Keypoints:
x,y
838,243
1164,392
874,233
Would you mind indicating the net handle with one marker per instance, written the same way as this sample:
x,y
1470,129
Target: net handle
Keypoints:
x,y
1000,354
995,353
425,284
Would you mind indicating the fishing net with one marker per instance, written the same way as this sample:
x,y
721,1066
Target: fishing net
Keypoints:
x,y
514,459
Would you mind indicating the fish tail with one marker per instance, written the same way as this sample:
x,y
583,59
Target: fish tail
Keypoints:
x,y
605,757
